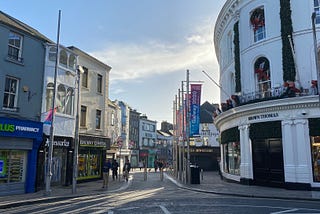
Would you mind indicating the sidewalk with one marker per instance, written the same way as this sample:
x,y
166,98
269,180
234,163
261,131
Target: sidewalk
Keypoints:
x,y
211,183
63,192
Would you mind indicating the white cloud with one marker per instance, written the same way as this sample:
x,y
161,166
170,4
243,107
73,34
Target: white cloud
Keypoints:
x,y
133,61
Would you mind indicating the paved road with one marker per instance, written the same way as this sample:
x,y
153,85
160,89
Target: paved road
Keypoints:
x,y
155,196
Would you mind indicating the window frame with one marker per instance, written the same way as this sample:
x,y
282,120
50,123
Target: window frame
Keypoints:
x,y
15,50
98,119
99,83
83,116
12,95
84,77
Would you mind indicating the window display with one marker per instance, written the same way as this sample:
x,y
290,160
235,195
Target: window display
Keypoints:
x,y
12,166
315,150
89,165
232,158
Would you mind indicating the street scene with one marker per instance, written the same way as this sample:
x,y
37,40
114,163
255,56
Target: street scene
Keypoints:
x,y
168,196
181,106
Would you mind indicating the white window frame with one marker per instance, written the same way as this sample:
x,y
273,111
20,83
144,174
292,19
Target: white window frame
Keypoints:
x,y
15,41
11,93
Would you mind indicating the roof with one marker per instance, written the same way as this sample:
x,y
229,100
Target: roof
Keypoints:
x,y
206,112
15,23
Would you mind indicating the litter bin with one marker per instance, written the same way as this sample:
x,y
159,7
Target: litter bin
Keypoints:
x,y
195,174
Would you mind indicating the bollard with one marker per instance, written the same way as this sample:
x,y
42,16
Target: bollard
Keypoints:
x,y
201,172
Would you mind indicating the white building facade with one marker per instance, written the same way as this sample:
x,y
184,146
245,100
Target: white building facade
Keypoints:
x,y
269,127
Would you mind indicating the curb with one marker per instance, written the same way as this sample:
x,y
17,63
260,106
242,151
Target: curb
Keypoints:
x,y
183,186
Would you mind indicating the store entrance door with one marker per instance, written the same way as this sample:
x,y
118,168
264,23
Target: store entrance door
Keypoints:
x,y
268,167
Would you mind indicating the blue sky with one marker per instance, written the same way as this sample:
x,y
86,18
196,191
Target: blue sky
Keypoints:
x,y
148,43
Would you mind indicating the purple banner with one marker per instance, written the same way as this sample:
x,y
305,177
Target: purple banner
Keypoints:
x,y
195,97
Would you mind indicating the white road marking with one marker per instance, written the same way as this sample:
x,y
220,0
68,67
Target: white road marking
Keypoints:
x,y
165,210
285,211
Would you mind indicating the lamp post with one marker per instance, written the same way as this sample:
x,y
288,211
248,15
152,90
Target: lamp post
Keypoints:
x,y
76,137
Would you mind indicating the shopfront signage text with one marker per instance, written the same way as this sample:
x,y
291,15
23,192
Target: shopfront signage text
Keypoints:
x,y
11,128
263,116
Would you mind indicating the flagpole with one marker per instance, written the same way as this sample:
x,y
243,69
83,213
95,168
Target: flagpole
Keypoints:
x,y
49,164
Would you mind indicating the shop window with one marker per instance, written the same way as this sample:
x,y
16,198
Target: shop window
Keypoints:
x,y
317,10
99,84
315,152
12,166
10,97
258,24
89,164
98,119
15,47
231,163
262,73
63,58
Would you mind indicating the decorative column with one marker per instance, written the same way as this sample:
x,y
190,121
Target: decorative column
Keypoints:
x,y
246,170
303,155
289,150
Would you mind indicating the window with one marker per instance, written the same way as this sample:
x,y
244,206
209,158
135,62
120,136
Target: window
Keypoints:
x,y
10,93
317,10
63,58
232,158
315,152
49,96
68,109
13,164
52,54
257,20
112,119
65,99
262,71
83,116
72,62
84,77
99,84
15,47
98,119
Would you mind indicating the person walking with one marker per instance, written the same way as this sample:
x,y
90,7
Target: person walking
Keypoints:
x,y
160,165
115,166
140,165
105,170
126,169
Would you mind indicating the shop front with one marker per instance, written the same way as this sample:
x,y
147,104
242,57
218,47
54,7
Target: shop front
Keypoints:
x,y
92,152
62,157
19,143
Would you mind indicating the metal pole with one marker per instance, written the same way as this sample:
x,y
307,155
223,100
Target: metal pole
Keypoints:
x,y
183,134
313,18
188,131
49,163
76,139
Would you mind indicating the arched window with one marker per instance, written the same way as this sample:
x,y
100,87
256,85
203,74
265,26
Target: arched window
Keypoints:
x,y
63,58
49,95
72,62
61,98
262,73
258,24
69,102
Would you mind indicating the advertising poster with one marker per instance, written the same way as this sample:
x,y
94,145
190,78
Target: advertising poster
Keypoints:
x,y
195,97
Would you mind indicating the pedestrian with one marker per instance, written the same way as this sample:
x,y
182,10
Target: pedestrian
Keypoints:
x,y
155,165
126,169
160,165
140,165
114,166
105,170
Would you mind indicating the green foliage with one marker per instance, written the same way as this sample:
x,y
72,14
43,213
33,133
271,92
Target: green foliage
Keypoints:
x,y
236,42
289,72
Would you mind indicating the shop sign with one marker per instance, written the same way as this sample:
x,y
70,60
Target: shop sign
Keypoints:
x,y
263,116
62,143
20,128
95,142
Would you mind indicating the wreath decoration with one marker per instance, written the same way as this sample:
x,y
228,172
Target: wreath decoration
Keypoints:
x,y
261,67
257,19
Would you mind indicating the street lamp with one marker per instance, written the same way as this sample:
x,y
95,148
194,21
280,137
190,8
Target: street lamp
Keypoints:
x,y
76,137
